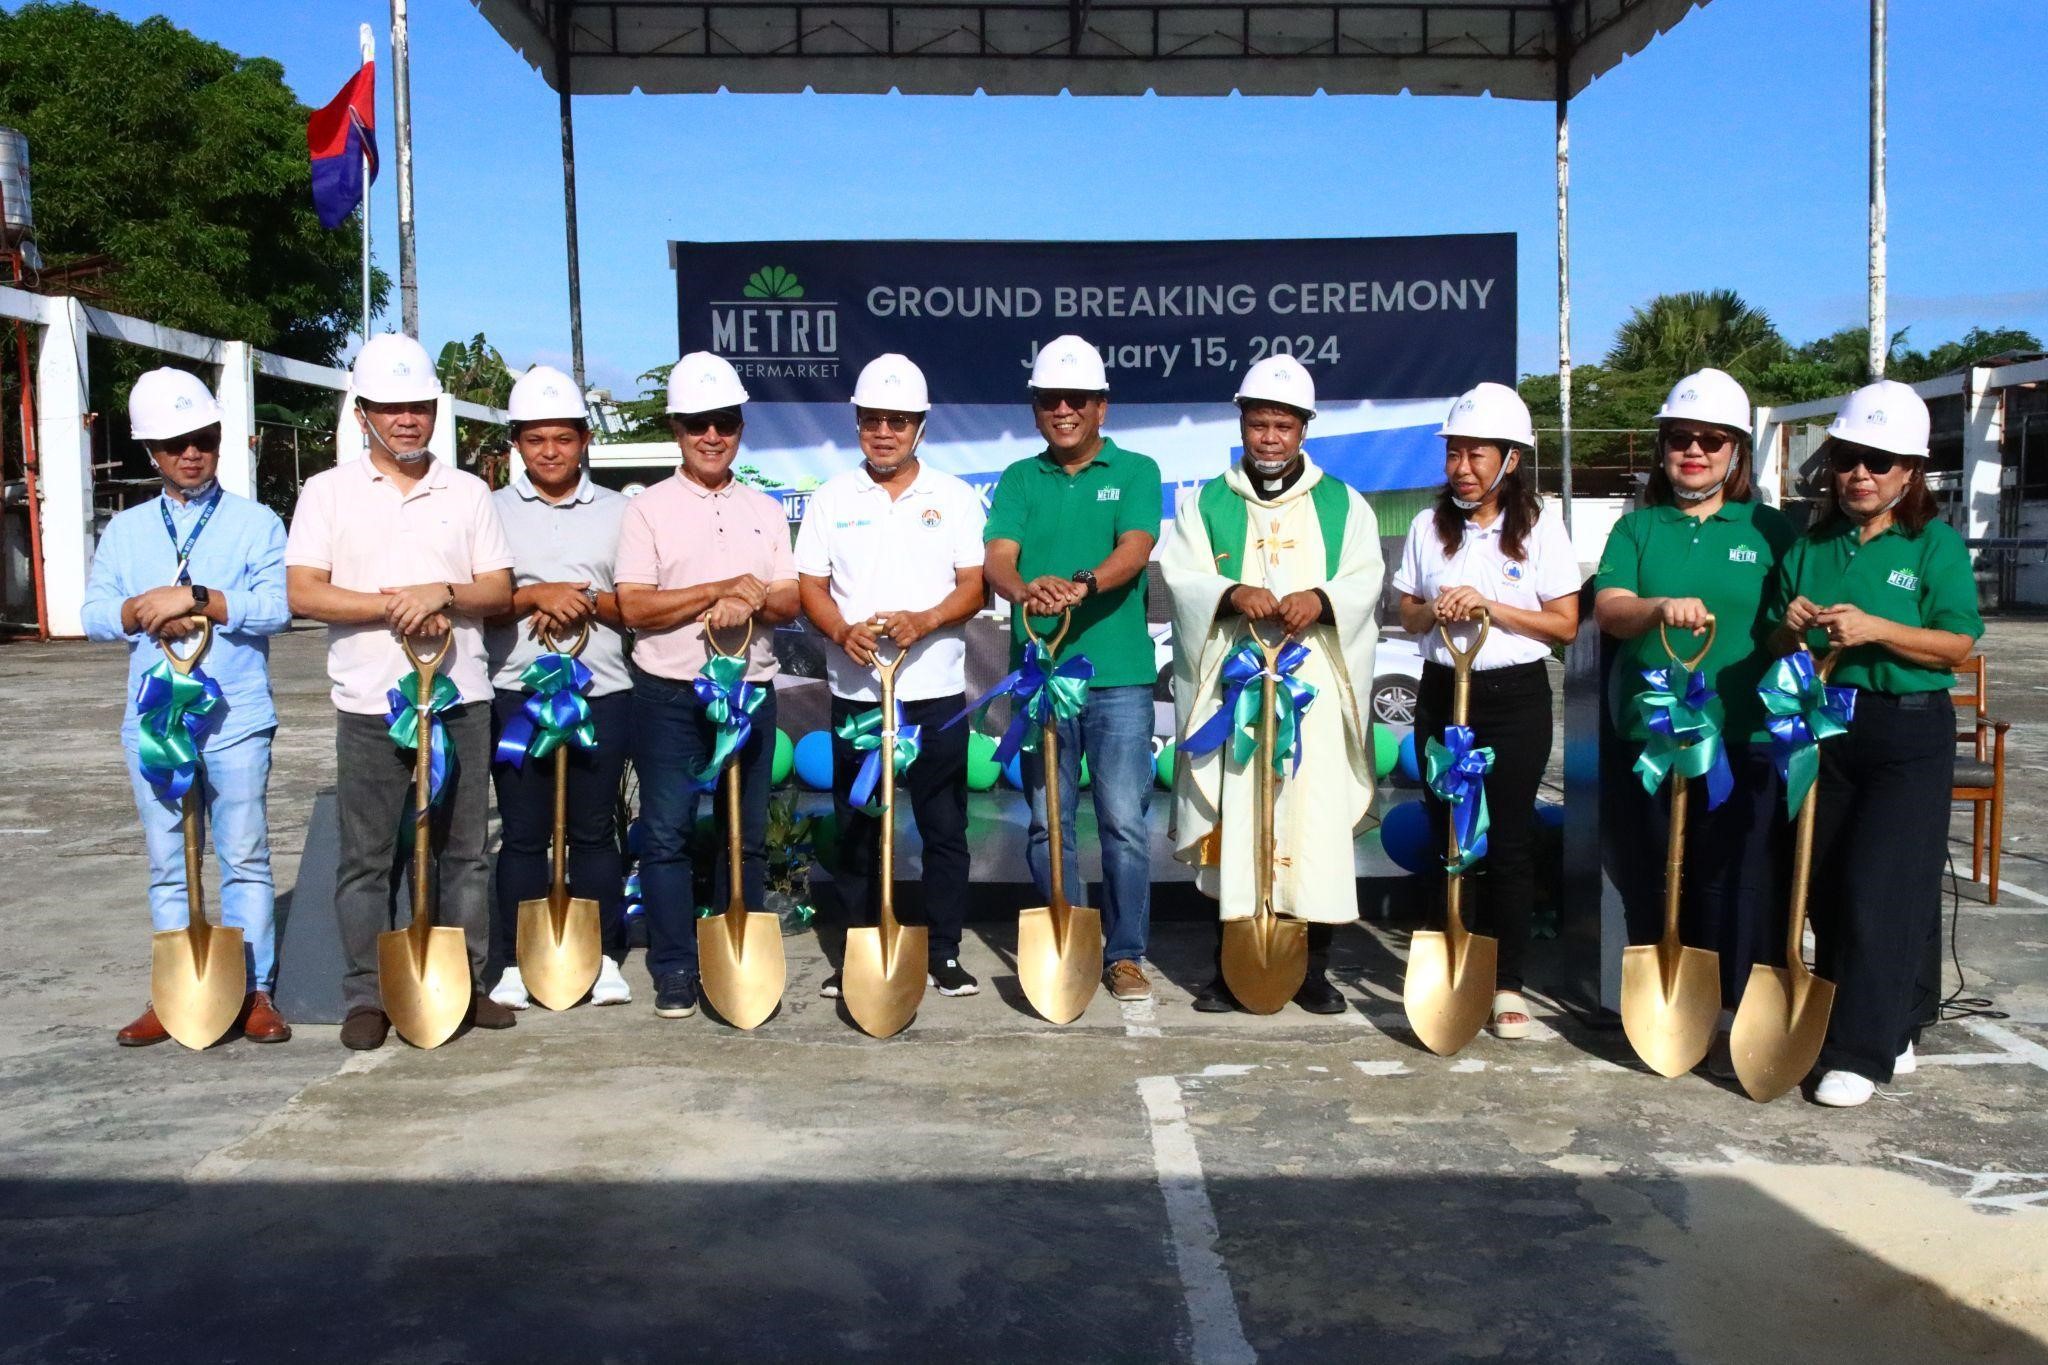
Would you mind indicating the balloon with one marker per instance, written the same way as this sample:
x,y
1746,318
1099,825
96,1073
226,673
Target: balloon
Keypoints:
x,y
825,839
1550,815
1162,766
1405,837
1013,772
1407,761
784,760
1386,750
813,758
1086,780
982,770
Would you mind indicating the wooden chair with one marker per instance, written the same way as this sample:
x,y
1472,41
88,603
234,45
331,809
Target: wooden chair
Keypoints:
x,y
1980,773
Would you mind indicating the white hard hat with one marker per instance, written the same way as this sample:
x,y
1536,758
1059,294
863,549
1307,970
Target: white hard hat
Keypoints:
x,y
892,383
703,382
1886,415
393,368
1491,412
1069,363
167,402
1711,396
1279,379
545,394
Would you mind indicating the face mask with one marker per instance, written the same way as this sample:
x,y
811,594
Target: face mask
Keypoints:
x,y
1703,494
403,457
1464,506
199,494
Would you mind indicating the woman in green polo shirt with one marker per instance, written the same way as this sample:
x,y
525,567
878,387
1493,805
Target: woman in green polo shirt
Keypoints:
x,y
1883,580
1700,547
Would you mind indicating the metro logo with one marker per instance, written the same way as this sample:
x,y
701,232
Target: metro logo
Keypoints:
x,y
773,282
772,331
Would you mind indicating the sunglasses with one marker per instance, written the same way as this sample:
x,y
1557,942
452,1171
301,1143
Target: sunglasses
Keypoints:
x,y
726,424
894,421
1843,459
207,441
1051,400
1709,442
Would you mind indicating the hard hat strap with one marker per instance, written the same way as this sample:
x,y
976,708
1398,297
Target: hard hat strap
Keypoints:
x,y
1465,506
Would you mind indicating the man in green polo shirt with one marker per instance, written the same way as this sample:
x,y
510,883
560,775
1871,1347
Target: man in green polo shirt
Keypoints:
x,y
1072,528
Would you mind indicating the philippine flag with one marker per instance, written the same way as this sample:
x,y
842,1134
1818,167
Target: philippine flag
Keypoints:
x,y
339,137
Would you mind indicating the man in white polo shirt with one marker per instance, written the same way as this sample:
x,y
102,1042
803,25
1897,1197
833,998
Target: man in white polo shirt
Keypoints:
x,y
399,544
892,550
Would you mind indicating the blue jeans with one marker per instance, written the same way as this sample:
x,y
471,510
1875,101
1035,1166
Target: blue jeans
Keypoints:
x,y
672,739
234,780
1114,730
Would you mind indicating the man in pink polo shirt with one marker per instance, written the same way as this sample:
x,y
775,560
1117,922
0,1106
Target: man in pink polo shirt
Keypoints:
x,y
698,552
399,544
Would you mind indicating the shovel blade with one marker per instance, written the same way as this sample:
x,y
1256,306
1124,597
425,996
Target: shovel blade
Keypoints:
x,y
1672,1029
197,981
1779,1030
1265,960
558,955
742,981
1059,973
1448,996
883,996
427,998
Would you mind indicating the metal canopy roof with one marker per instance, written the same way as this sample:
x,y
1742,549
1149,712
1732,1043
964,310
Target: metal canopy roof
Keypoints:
x,y
1513,49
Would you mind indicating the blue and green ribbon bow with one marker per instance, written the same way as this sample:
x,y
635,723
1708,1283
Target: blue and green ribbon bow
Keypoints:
x,y
1682,715
174,710
729,701
554,713
1804,711
864,732
1456,771
1238,716
403,724
1035,686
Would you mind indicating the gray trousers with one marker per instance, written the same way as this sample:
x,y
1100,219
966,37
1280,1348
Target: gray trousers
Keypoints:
x,y
374,790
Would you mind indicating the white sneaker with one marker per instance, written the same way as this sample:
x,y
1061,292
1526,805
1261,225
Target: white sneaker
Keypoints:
x,y
511,990
1843,1090
611,987
1906,1064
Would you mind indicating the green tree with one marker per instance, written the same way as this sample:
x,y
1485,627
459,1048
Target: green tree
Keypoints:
x,y
1675,334
185,166
475,371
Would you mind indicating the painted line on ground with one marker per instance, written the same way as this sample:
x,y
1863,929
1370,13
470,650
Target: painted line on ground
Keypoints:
x,y
2022,1049
1141,1020
1217,1335
2006,888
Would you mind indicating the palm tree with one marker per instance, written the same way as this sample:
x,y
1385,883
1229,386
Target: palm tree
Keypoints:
x,y
1675,334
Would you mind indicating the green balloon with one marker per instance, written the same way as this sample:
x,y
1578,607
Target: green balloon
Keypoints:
x,y
983,772
1086,780
1162,766
784,760
825,840
1386,750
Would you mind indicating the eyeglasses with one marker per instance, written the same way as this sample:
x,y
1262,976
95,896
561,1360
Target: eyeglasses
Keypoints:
x,y
1843,459
1709,442
725,423
1051,400
895,421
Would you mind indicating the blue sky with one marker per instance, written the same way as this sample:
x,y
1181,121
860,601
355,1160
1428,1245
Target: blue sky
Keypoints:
x,y
1731,153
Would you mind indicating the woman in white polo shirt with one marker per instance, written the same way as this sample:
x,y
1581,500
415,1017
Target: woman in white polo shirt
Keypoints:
x,y
1489,543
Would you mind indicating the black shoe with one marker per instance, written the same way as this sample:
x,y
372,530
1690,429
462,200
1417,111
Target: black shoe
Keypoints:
x,y
831,989
1215,998
951,978
1318,996
675,995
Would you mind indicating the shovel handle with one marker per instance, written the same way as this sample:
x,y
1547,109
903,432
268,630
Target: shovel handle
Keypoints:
x,y
1802,859
426,665
1270,652
1053,649
1664,635
1463,658
183,664
711,639
545,633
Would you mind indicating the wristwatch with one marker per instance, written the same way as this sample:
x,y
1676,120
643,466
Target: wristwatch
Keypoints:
x,y
1086,578
200,596
591,594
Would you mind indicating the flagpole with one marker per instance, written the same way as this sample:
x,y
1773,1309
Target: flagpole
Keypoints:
x,y
369,47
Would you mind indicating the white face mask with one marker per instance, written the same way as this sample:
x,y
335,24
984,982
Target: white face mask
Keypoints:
x,y
1505,465
199,494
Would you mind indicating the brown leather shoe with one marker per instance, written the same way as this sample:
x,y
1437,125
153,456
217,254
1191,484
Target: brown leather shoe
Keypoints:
x,y
365,1029
260,1021
1127,981
485,1012
145,1030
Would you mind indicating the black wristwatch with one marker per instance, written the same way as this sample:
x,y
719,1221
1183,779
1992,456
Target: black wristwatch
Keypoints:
x,y
1086,578
200,596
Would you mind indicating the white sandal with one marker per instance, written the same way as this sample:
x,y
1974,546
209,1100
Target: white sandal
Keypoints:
x,y
1506,1003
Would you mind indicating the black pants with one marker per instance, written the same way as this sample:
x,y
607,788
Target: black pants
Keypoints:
x,y
1509,713
526,815
1880,839
1734,882
937,782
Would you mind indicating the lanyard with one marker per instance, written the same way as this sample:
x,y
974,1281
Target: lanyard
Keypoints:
x,y
184,551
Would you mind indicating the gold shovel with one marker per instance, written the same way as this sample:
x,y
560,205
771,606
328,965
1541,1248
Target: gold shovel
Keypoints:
x,y
1059,946
1448,992
1671,994
1782,1022
883,974
423,969
197,978
739,952
1265,956
559,941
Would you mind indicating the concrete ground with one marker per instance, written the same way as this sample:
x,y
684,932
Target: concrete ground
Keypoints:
x,y
1145,1184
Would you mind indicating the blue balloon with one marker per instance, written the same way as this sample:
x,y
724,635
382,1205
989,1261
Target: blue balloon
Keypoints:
x,y
1550,815
1013,771
814,761
1405,836
1409,765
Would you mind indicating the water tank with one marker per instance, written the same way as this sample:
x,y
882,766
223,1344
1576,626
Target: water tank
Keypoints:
x,y
17,218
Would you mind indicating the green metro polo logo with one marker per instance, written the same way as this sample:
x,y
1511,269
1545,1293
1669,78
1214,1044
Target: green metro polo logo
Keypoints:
x,y
773,282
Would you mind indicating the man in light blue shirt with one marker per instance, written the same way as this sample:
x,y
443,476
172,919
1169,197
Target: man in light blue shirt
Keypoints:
x,y
198,550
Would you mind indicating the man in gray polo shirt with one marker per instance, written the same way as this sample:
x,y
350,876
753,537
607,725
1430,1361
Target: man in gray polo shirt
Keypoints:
x,y
564,532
